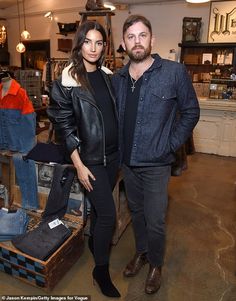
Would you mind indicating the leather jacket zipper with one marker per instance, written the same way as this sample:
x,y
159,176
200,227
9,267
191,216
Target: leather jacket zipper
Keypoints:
x,y
103,131
104,144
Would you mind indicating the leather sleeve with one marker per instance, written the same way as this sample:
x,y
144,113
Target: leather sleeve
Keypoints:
x,y
61,114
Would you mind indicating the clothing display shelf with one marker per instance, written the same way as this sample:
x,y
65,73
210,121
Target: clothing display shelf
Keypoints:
x,y
104,17
208,57
207,62
31,81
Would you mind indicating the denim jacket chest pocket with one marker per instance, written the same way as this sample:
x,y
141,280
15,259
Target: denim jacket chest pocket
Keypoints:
x,y
162,101
163,93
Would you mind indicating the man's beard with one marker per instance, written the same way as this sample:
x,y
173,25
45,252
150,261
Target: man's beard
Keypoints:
x,y
139,57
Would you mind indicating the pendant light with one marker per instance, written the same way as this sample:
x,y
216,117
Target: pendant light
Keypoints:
x,y
20,47
25,34
197,1
49,15
3,35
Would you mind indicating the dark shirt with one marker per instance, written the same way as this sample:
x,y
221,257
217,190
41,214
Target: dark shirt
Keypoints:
x,y
131,107
104,103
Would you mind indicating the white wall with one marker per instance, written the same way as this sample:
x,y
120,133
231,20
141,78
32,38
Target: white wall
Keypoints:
x,y
166,21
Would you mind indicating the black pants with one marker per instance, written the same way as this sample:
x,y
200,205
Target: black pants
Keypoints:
x,y
147,192
103,212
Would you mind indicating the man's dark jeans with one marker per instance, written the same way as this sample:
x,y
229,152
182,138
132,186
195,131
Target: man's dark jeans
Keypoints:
x,y
147,192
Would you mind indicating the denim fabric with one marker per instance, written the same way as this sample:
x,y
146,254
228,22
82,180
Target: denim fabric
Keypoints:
x,y
42,241
6,237
27,180
4,195
166,89
147,193
12,223
17,130
58,197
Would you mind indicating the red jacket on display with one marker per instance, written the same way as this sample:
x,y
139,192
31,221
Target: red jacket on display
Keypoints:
x,y
17,119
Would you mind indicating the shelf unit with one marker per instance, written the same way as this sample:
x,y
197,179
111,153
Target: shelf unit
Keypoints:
x,y
220,63
199,48
31,81
215,131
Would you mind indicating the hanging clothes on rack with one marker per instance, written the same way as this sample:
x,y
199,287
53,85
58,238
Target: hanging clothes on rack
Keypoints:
x,y
52,70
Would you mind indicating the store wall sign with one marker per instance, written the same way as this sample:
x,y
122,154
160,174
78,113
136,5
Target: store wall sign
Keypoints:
x,y
222,23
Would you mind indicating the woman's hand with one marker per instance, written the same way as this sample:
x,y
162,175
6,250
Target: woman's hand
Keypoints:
x,y
83,173
84,176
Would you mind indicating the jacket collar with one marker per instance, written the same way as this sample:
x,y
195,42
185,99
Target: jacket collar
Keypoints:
x,y
13,89
68,80
156,64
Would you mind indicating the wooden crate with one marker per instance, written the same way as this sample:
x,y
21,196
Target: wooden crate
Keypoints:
x,y
44,274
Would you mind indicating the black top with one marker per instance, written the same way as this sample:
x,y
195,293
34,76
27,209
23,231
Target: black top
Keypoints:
x,y
131,108
104,103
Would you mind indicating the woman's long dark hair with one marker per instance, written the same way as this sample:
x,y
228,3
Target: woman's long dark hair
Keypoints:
x,y
78,70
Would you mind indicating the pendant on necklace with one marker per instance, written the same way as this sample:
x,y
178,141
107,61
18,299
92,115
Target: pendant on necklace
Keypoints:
x,y
133,84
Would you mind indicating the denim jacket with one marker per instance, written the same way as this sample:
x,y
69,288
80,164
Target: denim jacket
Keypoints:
x,y
168,110
17,120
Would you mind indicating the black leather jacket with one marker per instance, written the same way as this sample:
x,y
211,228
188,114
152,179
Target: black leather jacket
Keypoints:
x,y
73,112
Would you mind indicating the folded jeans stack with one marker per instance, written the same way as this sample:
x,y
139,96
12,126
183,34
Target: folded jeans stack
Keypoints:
x,y
44,240
12,223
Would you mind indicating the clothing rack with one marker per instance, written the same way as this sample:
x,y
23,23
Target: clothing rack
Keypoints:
x,y
50,76
53,69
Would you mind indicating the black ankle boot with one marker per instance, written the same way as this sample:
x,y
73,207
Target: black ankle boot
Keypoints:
x,y
102,277
90,244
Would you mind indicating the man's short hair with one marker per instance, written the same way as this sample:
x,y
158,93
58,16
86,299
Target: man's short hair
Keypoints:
x,y
134,19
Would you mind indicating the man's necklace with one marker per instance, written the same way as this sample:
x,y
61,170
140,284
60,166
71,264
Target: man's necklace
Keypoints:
x,y
133,83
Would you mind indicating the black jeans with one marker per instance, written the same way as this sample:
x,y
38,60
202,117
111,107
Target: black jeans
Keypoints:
x,y
103,211
147,192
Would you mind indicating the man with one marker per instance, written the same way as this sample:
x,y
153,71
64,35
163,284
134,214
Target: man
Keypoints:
x,y
158,110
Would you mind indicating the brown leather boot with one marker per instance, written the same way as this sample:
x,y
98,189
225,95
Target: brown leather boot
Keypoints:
x,y
135,265
153,281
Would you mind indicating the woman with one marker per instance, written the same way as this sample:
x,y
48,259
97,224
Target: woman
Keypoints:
x,y
83,110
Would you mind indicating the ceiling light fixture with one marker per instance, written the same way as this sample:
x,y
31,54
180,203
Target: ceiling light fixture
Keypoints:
x,y
20,47
49,15
109,4
198,1
25,34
